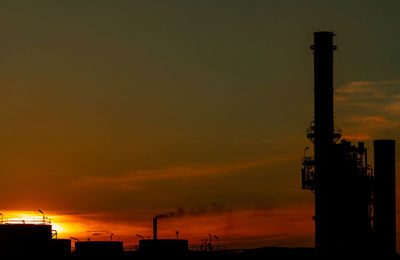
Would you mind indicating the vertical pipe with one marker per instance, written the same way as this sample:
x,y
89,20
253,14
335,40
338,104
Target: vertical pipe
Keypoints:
x,y
323,87
385,197
155,228
324,135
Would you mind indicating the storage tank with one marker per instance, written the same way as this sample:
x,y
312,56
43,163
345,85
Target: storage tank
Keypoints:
x,y
99,248
25,239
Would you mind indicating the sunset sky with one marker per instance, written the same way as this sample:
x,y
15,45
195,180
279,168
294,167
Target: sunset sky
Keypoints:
x,y
115,111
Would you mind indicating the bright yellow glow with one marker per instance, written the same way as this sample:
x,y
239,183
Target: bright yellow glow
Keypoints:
x,y
58,222
282,224
20,216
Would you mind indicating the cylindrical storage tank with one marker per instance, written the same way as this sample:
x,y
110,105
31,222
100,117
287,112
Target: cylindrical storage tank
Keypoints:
x,y
60,247
385,197
163,247
99,249
21,240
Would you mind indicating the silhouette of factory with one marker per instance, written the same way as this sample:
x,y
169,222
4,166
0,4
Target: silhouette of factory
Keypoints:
x,y
33,237
355,203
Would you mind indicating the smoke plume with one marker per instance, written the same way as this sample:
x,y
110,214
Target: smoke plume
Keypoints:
x,y
181,212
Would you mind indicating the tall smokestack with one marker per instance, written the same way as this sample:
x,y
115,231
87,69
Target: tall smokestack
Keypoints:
x,y
323,134
385,196
323,88
155,228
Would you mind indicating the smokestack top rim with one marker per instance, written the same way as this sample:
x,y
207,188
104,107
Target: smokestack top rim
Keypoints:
x,y
324,32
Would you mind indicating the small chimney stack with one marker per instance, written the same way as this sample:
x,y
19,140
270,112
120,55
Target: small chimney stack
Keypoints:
x,y
155,228
385,196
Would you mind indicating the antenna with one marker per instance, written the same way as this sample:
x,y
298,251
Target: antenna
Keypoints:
x,y
44,218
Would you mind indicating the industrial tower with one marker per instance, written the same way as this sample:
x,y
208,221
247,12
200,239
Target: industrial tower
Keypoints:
x,y
354,205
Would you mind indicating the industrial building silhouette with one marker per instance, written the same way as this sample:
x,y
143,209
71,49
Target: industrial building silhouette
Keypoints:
x,y
355,210
20,238
166,246
355,203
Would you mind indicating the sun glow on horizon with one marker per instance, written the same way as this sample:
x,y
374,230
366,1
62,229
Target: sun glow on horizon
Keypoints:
x,y
286,225
61,223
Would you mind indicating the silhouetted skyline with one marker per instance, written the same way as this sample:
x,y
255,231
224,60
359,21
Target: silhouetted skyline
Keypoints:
x,y
114,113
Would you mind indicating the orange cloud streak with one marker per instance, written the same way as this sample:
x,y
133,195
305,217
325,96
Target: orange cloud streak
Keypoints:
x,y
130,179
357,137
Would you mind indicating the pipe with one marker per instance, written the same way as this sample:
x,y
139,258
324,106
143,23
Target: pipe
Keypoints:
x,y
155,228
385,196
323,49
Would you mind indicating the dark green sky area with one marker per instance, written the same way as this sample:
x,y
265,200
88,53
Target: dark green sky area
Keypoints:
x,y
181,103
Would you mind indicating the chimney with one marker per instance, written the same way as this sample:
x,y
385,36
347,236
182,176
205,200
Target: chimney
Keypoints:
x,y
323,135
155,228
323,49
385,196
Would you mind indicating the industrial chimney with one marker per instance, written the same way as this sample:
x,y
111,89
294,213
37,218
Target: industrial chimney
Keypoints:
x,y
385,197
155,228
323,88
355,211
323,136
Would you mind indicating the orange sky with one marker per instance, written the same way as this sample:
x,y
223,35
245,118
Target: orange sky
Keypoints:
x,y
113,113
259,226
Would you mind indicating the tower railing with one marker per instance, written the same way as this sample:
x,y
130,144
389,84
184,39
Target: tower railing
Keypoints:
x,y
310,133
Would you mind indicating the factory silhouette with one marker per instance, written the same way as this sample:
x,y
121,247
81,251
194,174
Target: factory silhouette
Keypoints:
x,y
355,202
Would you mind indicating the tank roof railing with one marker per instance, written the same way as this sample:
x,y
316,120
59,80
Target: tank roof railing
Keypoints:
x,y
29,221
